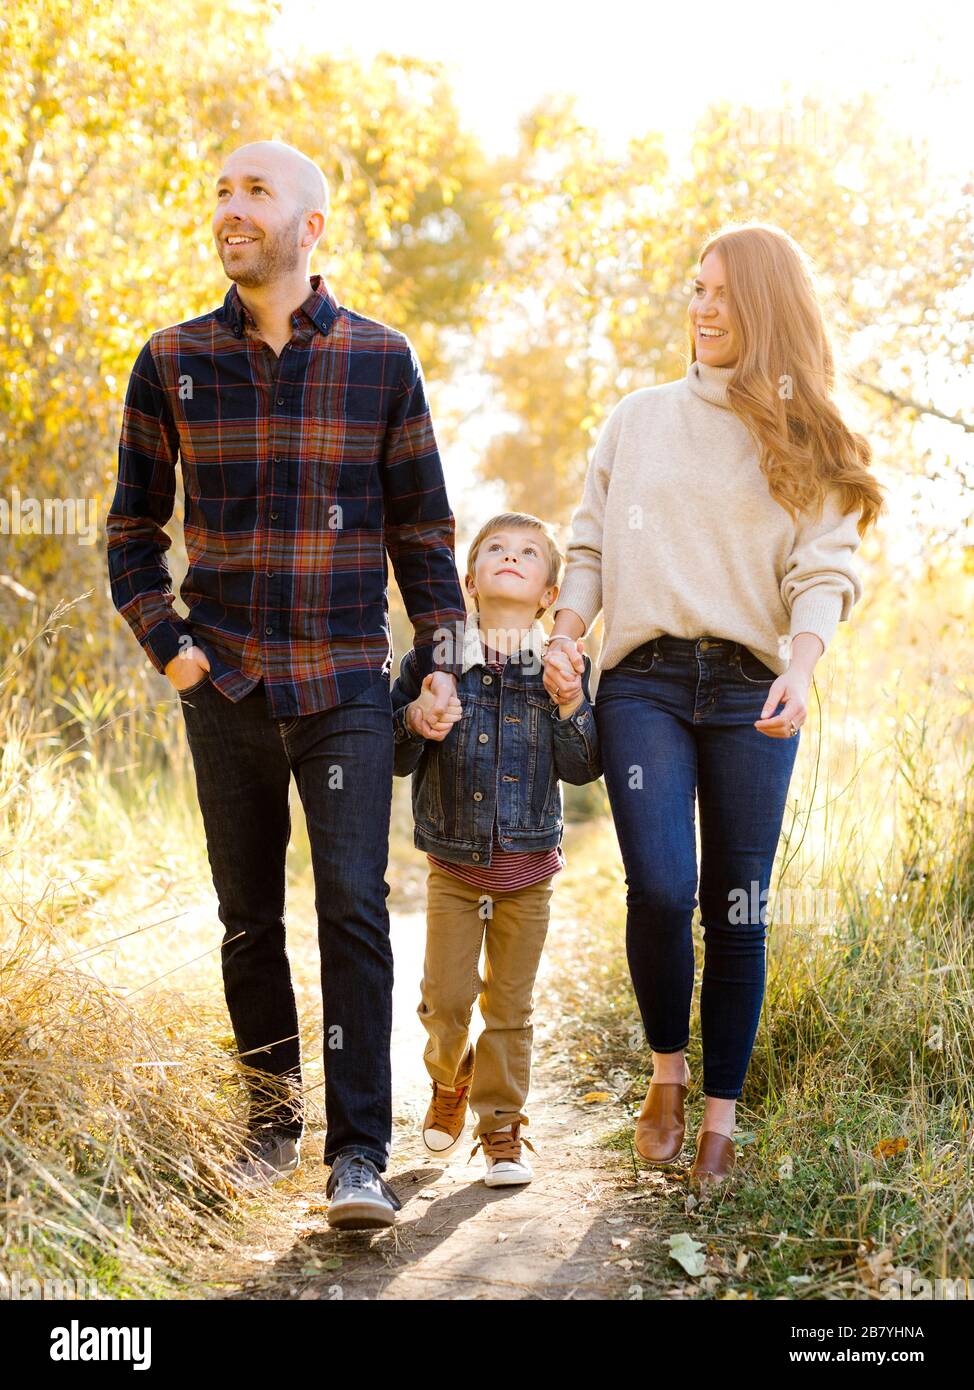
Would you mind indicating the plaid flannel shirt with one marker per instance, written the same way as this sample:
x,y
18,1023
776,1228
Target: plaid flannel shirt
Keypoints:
x,y
300,472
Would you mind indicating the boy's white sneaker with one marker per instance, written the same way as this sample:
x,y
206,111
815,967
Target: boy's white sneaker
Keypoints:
x,y
507,1166
445,1119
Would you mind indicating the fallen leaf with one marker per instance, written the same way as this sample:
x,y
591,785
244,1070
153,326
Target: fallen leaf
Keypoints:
x,y
594,1096
888,1148
688,1253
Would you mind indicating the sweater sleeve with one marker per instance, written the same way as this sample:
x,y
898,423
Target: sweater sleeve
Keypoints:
x,y
582,587
820,583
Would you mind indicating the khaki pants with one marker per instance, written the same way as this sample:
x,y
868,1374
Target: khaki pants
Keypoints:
x,y
511,927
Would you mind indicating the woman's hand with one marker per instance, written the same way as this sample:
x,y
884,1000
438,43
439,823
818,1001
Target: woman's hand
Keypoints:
x,y
563,667
792,688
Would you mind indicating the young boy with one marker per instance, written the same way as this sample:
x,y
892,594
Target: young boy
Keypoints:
x,y
488,812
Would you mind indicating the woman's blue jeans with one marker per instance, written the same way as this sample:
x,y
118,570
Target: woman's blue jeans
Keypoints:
x,y
676,722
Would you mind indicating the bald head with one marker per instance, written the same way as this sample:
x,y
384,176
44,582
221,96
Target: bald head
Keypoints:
x,y
297,176
270,211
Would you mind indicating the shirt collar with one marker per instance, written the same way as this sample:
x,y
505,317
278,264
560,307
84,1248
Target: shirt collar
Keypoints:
x,y
473,648
321,307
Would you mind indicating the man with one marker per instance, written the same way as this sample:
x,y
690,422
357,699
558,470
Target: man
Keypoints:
x,y
307,452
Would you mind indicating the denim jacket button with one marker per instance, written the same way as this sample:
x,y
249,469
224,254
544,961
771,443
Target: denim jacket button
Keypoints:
x,y
482,738
478,796
488,680
475,855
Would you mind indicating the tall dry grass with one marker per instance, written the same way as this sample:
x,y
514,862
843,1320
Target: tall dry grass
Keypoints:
x,y
119,1092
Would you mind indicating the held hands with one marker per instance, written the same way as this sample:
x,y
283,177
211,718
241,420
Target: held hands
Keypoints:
x,y
436,709
564,663
187,668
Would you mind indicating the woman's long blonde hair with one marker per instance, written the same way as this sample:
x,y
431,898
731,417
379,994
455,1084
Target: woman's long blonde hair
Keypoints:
x,y
784,375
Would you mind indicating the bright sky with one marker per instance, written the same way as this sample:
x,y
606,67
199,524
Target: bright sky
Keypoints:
x,y
638,67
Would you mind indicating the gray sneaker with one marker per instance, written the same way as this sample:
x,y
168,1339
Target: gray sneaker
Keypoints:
x,y
268,1156
361,1199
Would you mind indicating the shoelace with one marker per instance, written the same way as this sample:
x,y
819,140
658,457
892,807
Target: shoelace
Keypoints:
x,y
503,1145
447,1108
359,1174
264,1146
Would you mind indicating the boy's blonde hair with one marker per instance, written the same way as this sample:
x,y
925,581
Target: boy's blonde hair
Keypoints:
x,y
520,521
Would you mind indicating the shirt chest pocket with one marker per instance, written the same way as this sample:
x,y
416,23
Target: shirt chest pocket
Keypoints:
x,y
340,473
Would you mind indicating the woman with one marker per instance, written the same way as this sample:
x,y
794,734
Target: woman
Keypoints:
x,y
716,532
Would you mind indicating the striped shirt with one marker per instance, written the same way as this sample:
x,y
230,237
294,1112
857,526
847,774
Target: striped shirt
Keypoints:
x,y
300,473
507,872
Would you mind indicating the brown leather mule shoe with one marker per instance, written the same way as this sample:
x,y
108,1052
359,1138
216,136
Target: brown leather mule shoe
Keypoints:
x,y
713,1163
661,1126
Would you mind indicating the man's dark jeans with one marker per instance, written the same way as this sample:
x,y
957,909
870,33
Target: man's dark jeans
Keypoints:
x,y
342,762
676,724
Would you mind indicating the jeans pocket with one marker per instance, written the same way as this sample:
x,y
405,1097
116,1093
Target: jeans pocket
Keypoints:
x,y
751,670
191,690
639,662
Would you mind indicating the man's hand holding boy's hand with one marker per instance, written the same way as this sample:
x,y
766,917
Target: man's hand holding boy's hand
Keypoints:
x,y
428,716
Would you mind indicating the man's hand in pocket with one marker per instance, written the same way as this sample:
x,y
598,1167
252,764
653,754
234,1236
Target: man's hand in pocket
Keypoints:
x,y
188,668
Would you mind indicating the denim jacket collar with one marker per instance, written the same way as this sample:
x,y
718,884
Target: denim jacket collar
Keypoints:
x,y
473,648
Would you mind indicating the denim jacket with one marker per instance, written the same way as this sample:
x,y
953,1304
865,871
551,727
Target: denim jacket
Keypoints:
x,y
506,756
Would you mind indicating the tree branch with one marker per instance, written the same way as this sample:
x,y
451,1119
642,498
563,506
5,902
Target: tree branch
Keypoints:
x,y
907,403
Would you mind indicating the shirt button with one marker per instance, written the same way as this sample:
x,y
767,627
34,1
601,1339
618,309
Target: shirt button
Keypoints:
x,y
268,630
478,796
274,516
280,400
482,738
270,574
488,680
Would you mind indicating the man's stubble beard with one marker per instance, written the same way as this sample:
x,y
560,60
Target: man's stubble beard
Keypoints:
x,y
276,260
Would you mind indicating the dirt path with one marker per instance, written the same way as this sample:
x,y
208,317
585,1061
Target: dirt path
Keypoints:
x,y
455,1238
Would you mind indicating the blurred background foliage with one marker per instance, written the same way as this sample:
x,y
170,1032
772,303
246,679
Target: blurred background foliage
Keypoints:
x,y
550,281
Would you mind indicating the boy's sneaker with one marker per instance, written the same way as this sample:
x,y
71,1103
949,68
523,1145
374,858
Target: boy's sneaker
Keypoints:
x,y
269,1154
360,1198
506,1167
445,1119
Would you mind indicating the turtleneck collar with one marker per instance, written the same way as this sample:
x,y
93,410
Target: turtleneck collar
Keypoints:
x,y
710,383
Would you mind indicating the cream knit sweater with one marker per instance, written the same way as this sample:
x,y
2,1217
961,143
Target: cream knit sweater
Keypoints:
x,y
677,533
